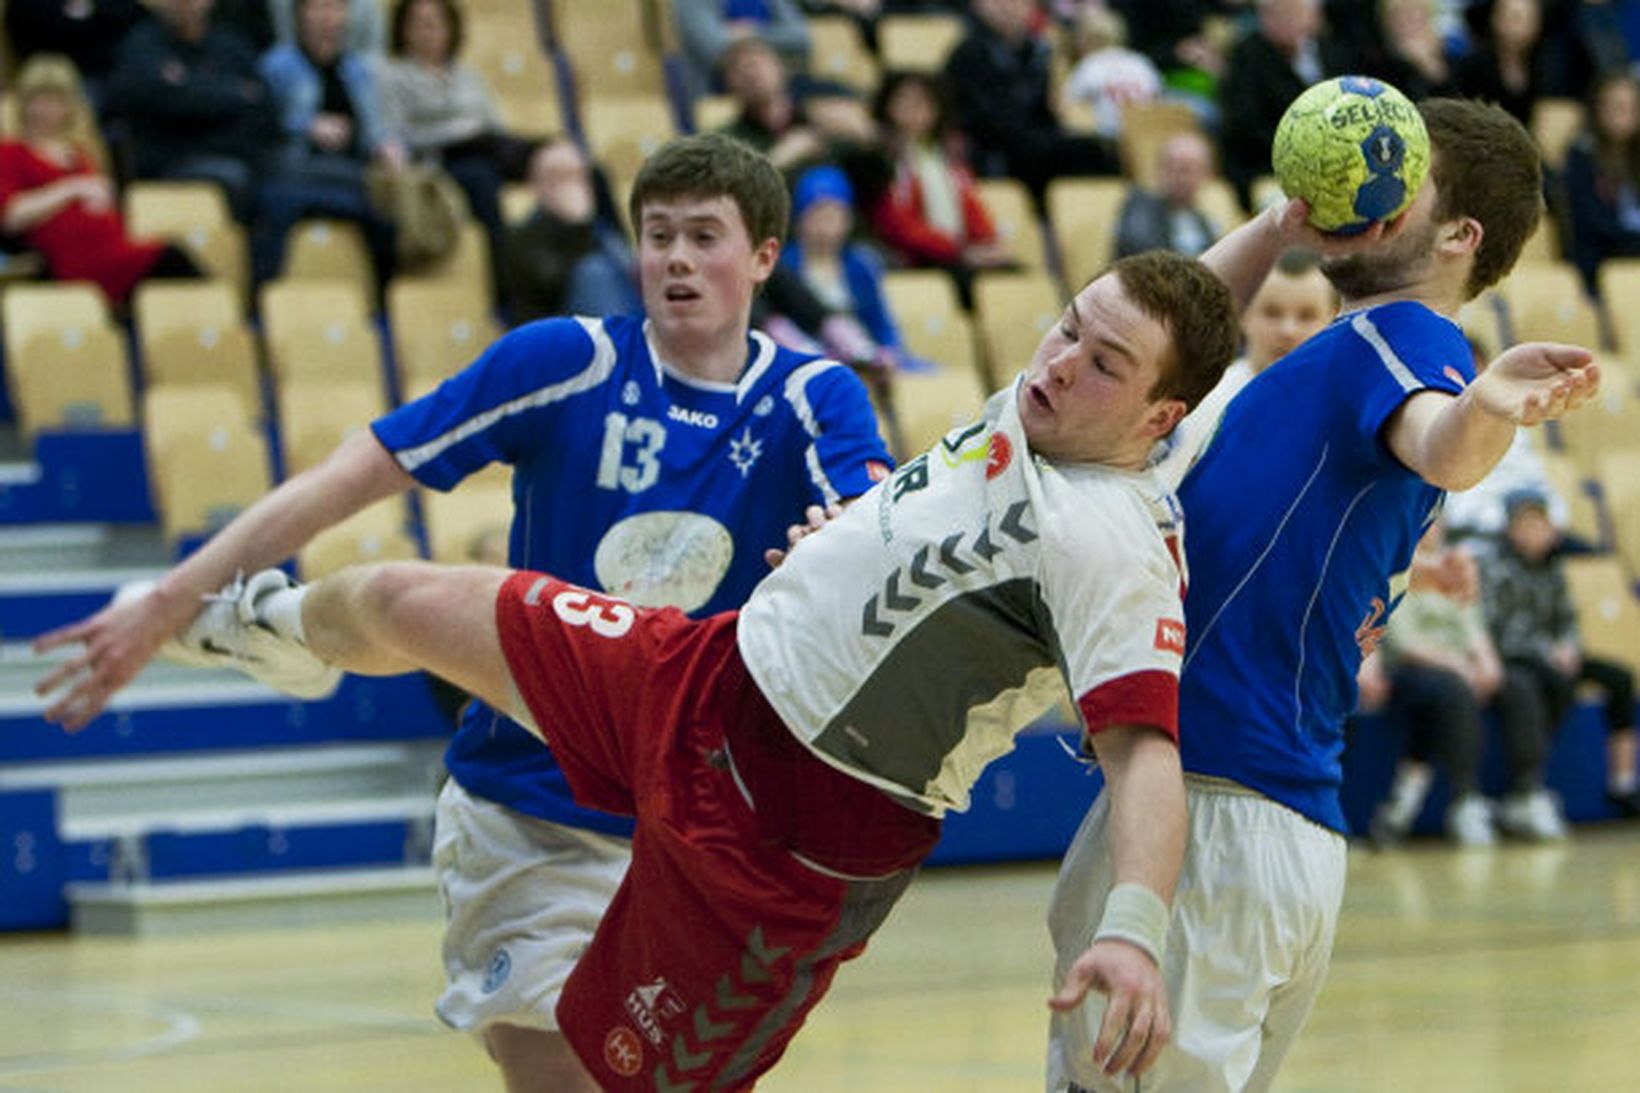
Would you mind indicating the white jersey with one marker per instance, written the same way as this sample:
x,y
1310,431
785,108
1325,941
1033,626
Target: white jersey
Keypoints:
x,y
953,604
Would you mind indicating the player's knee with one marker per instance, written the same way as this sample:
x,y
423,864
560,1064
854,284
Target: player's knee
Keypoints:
x,y
395,594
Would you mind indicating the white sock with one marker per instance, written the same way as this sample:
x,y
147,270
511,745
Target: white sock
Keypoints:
x,y
282,612
1406,797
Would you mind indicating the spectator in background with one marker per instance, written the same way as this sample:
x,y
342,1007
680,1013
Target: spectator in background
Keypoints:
x,y
1184,40
1601,180
999,77
1434,673
1506,66
1534,626
845,277
87,32
1268,68
1108,77
707,28
1168,217
443,111
195,102
1413,52
364,34
330,109
788,119
55,196
930,213
568,257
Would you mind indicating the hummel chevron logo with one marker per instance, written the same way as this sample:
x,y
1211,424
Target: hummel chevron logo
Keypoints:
x,y
727,999
665,1084
707,1029
928,572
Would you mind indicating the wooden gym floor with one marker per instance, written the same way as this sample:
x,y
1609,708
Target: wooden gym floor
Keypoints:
x,y
1511,969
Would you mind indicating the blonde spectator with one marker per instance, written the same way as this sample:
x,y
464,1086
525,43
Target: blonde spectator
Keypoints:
x,y
1108,76
56,197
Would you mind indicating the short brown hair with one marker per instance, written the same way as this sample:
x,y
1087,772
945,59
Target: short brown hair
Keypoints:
x,y
712,165
1198,312
1487,167
452,16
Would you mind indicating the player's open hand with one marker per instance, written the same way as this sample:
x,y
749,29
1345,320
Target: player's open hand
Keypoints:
x,y
114,644
816,518
1293,222
1137,1024
1537,381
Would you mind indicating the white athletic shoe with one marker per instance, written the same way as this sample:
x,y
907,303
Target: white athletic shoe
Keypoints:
x,y
1469,821
1533,815
230,632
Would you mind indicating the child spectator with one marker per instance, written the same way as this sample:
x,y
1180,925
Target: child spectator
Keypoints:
x,y
56,198
1433,674
930,213
846,277
1534,626
1602,180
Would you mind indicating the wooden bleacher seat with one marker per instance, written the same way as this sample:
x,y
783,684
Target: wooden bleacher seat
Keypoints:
x,y
29,309
328,250
1545,302
337,350
1082,216
838,52
1607,424
1266,191
524,80
437,329
456,520
1482,319
195,332
622,132
1619,479
74,377
206,461
466,269
1217,201
1608,615
316,415
517,202
1013,311
195,216
612,48
1014,214
287,304
1620,292
1146,126
376,534
161,306
946,389
918,42
713,112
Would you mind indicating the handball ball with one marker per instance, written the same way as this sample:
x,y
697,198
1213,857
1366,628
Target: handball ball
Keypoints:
x,y
1355,149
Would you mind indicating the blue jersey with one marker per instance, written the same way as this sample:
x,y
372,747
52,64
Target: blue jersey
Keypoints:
x,y
631,478
1299,518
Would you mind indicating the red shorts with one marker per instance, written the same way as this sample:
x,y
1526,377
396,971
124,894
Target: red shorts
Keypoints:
x,y
756,868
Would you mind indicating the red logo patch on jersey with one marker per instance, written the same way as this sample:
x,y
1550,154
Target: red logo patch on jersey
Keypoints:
x,y
1455,376
876,470
1170,636
1000,455
622,1051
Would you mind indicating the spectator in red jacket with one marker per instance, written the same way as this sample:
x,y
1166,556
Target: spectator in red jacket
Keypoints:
x,y
55,196
930,214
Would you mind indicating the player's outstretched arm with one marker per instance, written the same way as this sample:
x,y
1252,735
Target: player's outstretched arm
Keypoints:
x,y
1454,441
1148,823
118,640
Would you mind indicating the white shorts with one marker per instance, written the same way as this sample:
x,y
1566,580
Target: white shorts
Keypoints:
x,y
522,898
1247,951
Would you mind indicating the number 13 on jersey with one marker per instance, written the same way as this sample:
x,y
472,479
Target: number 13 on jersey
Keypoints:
x,y
631,454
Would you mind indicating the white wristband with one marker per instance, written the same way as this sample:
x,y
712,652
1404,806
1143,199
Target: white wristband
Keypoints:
x,y
1135,914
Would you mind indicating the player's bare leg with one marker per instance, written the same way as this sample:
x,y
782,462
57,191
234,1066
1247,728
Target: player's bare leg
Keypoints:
x,y
535,1060
399,616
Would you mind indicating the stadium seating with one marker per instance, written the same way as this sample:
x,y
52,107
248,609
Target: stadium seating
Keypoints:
x,y
622,131
438,328
72,378
376,534
613,49
943,388
1014,214
322,249
1013,311
456,521
1608,615
195,216
316,415
1545,302
1146,126
917,42
837,52
1620,290
206,459
1083,214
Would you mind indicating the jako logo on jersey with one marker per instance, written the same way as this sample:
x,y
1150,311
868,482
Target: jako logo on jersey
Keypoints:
x,y
699,418
1170,636
623,1053
1001,454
